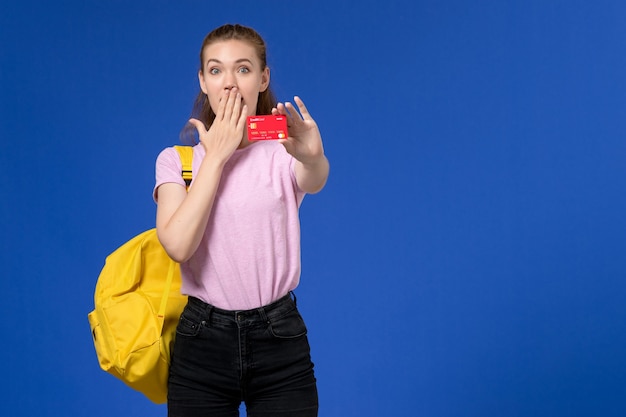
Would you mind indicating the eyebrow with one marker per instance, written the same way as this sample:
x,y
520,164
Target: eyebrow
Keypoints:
x,y
240,60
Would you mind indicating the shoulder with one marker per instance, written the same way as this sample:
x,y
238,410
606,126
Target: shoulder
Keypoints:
x,y
168,156
168,168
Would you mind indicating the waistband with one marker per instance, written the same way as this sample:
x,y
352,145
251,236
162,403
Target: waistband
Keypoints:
x,y
276,309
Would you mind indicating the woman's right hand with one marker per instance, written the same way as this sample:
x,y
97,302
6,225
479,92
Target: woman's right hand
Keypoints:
x,y
226,133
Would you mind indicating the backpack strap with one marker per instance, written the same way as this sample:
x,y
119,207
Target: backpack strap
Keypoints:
x,y
186,157
166,293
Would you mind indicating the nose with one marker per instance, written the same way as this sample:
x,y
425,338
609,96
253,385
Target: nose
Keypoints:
x,y
230,81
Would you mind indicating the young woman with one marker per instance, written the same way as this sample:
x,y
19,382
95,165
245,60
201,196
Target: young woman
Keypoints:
x,y
236,233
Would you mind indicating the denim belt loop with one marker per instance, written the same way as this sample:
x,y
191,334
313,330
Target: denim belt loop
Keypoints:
x,y
295,300
261,311
208,311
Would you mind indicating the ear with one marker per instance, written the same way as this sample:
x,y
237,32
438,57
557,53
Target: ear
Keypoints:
x,y
265,79
201,82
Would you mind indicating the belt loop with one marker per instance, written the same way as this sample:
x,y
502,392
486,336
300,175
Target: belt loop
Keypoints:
x,y
295,300
209,313
261,311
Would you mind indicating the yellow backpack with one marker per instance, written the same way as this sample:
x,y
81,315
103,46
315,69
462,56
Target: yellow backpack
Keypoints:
x,y
137,306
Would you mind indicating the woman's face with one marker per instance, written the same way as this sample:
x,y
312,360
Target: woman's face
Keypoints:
x,y
233,63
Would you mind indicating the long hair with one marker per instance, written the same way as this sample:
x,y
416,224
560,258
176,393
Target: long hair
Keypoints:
x,y
201,108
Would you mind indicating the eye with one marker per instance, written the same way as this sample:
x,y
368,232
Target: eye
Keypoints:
x,y
214,71
244,70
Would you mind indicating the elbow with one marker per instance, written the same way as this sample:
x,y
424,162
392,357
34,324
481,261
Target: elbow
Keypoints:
x,y
176,250
312,180
315,188
177,255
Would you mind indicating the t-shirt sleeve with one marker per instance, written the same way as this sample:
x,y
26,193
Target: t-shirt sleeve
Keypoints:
x,y
168,169
292,172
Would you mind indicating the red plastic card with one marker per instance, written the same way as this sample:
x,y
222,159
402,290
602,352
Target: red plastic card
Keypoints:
x,y
267,127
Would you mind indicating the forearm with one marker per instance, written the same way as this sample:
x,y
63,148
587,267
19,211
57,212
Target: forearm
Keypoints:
x,y
311,176
182,219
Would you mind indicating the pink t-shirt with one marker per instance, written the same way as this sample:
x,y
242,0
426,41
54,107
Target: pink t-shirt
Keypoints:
x,y
249,255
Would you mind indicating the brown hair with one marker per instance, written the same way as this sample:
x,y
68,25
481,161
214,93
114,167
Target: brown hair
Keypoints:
x,y
201,108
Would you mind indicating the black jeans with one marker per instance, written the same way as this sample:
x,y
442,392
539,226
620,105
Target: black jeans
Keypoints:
x,y
221,358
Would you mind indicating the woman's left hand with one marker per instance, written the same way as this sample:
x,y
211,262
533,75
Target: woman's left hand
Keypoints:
x,y
304,141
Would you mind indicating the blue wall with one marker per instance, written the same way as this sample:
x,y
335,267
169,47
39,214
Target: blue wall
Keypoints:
x,y
467,257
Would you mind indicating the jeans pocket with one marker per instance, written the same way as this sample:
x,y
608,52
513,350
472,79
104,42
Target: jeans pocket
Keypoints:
x,y
289,326
188,326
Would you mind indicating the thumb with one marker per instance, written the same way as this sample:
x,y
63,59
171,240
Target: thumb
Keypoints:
x,y
198,125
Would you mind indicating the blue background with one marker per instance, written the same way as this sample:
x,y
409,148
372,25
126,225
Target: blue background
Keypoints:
x,y
467,256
